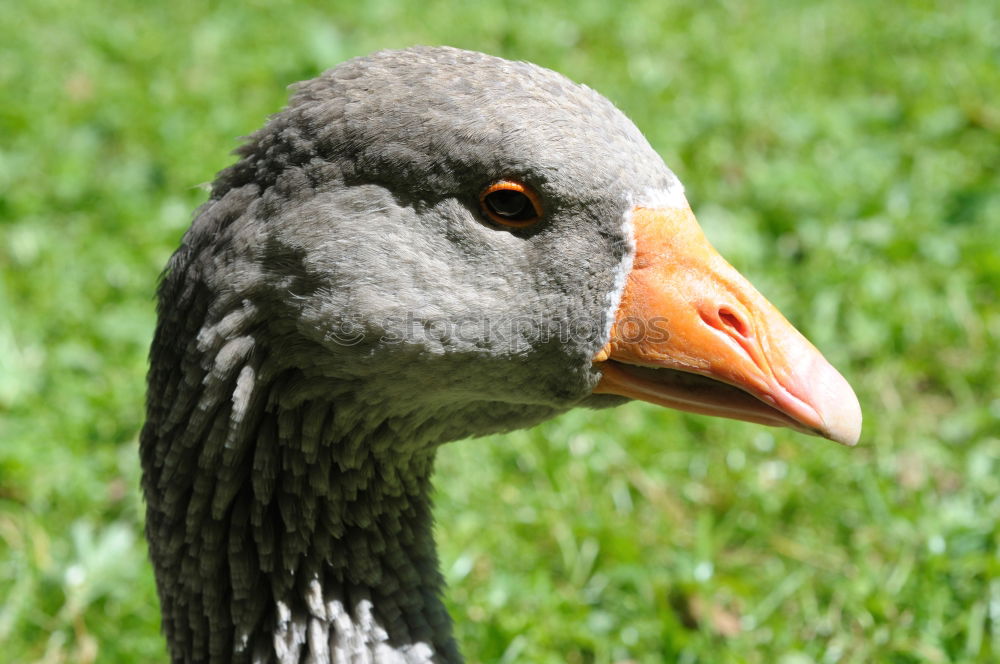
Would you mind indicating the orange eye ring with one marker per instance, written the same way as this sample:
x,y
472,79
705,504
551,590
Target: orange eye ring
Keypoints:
x,y
511,203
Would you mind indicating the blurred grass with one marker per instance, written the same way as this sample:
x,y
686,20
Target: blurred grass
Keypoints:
x,y
844,155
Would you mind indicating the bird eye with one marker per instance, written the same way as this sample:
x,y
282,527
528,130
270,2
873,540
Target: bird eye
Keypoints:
x,y
510,203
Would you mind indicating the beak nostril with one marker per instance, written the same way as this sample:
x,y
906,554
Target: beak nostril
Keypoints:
x,y
734,322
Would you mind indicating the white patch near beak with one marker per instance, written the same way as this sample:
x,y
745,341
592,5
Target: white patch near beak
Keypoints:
x,y
672,197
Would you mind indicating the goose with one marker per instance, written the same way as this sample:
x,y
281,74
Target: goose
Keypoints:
x,y
424,245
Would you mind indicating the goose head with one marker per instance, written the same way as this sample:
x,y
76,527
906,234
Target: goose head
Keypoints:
x,y
376,244
425,245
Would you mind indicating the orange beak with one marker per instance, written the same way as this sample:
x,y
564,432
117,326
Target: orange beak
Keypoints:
x,y
691,333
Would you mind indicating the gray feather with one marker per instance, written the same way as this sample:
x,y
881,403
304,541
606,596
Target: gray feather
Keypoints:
x,y
336,311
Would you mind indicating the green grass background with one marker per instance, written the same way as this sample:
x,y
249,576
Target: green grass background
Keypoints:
x,y
844,155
